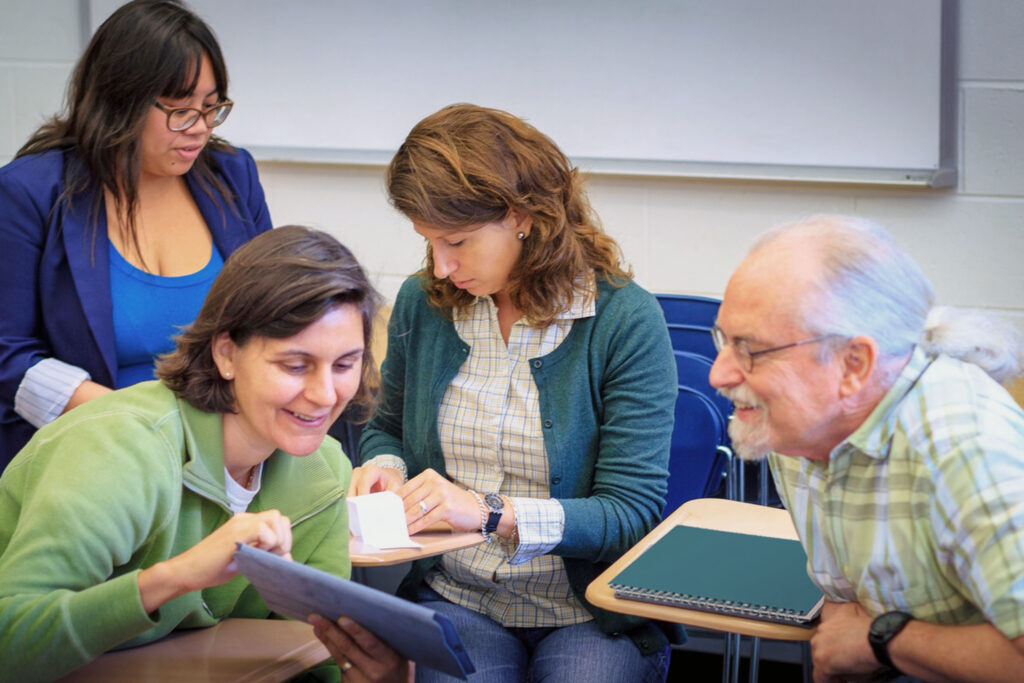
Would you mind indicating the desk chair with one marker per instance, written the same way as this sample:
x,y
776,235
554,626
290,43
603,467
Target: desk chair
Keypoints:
x,y
685,309
689,320
692,339
692,372
698,455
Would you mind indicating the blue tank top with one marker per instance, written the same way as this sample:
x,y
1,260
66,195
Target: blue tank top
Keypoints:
x,y
149,310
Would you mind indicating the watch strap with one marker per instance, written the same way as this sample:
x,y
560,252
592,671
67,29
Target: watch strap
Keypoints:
x,y
495,508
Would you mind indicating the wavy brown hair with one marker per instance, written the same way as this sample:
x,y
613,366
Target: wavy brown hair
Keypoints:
x,y
465,166
144,50
275,285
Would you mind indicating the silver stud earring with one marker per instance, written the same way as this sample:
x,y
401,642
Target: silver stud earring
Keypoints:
x,y
521,235
227,375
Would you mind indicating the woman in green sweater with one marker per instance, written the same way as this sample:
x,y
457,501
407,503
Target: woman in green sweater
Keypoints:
x,y
118,521
528,392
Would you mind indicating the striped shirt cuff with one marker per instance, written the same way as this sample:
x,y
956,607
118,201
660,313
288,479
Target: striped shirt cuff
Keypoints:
x,y
392,461
46,389
541,524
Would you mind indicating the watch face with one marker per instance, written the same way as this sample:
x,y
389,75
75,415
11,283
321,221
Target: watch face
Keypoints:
x,y
888,622
494,502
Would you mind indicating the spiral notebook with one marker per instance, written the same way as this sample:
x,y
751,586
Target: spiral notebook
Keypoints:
x,y
743,575
296,590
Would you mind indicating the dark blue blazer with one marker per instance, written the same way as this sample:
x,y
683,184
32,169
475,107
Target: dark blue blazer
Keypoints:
x,y
55,279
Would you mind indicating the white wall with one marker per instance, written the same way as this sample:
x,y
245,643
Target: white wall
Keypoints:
x,y
680,235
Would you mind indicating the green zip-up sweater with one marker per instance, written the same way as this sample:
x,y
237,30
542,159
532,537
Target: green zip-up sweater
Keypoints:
x,y
607,401
121,483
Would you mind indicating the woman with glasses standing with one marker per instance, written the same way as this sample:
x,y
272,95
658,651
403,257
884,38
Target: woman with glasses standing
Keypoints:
x,y
116,216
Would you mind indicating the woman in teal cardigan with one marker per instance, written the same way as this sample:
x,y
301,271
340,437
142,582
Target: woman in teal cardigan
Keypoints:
x,y
528,392
118,521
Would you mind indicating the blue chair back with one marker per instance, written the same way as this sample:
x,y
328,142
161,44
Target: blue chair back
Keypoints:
x,y
698,457
692,370
683,309
692,339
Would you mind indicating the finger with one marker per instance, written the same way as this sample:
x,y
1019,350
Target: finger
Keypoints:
x,y
372,479
355,484
350,650
336,640
422,515
425,478
283,527
368,647
417,504
266,536
328,634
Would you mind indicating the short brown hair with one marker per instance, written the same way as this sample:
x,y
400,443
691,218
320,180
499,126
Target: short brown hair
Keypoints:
x,y
465,166
274,286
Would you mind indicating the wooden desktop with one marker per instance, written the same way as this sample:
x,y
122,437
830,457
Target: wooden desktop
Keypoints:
x,y
251,650
707,513
435,540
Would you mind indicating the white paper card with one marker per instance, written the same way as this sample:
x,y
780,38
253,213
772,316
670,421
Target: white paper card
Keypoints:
x,y
379,520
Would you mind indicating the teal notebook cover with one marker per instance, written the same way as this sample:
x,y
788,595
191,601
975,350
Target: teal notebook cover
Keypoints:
x,y
743,575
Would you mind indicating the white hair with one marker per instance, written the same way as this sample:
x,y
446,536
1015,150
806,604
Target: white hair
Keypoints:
x,y
867,285
989,341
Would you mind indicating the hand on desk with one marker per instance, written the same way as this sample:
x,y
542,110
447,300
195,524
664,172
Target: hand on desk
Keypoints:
x,y
442,501
430,498
840,644
361,655
211,561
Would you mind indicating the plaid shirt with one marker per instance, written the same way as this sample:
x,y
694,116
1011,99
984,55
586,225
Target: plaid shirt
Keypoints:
x,y
921,509
490,429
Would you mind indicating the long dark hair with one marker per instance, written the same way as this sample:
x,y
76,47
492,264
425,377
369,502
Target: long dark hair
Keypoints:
x,y
144,50
465,165
275,285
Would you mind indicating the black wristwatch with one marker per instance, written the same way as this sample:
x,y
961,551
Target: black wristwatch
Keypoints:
x,y
883,629
495,505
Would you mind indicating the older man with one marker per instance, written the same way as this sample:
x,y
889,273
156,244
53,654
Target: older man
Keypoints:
x,y
903,467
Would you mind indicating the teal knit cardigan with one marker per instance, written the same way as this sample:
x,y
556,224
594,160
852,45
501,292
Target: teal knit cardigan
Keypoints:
x,y
607,397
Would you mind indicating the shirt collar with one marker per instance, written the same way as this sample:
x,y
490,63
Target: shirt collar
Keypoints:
x,y
874,434
582,304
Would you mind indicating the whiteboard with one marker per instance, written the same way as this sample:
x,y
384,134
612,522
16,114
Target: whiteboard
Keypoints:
x,y
805,89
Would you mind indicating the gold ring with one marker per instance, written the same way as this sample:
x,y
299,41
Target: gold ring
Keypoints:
x,y
346,666
423,507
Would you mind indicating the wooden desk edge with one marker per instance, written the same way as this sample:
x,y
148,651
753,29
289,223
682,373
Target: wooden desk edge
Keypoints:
x,y
433,542
702,512
299,651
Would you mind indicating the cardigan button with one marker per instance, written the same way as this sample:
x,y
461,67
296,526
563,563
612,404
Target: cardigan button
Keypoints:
x,y
537,363
548,424
556,480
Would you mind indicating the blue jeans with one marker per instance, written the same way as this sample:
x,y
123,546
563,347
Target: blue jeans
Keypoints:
x,y
556,655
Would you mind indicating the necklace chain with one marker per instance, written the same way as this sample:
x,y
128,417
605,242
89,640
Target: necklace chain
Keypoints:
x,y
252,475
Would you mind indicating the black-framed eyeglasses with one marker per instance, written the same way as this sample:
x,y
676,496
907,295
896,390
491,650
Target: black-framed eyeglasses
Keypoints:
x,y
183,118
744,356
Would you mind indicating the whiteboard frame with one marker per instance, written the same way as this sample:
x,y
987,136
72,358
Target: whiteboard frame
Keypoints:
x,y
945,175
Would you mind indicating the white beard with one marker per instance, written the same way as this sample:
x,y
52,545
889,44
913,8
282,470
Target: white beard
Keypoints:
x,y
750,441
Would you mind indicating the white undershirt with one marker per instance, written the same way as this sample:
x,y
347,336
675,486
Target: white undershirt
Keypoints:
x,y
239,497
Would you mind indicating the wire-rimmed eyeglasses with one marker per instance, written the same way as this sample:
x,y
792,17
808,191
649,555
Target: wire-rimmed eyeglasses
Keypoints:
x,y
183,118
744,356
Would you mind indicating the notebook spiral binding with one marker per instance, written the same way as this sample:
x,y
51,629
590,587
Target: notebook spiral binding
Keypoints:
x,y
717,606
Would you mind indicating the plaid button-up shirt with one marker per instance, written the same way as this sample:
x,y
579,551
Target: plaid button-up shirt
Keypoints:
x,y
921,509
